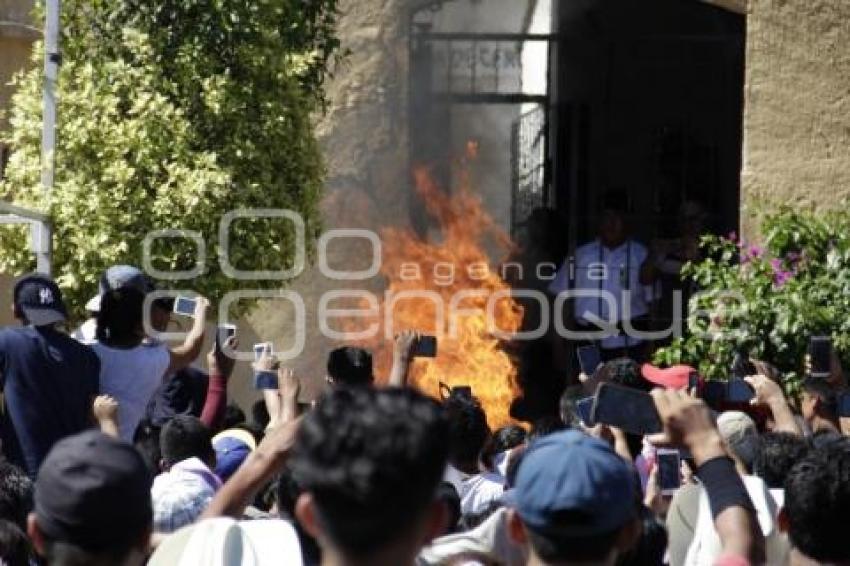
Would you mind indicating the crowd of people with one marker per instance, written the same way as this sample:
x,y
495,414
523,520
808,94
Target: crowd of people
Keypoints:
x,y
118,451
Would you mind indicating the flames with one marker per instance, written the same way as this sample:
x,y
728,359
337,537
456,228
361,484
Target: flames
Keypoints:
x,y
453,281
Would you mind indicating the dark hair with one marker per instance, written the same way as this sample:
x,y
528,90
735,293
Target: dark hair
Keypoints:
x,y
120,317
652,544
776,455
817,496
16,494
589,548
517,456
146,441
287,492
60,553
545,426
447,493
15,549
468,430
349,366
567,406
184,437
234,416
371,459
505,438
819,387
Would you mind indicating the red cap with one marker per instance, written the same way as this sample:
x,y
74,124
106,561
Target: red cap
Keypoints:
x,y
675,377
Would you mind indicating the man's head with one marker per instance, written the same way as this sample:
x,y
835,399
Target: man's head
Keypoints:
x,y
350,367
778,452
740,436
817,496
612,221
369,462
185,437
92,503
37,300
818,402
468,432
16,493
120,317
120,277
574,501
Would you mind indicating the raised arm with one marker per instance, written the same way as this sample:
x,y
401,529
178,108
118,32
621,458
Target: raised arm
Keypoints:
x,y
769,393
402,358
187,352
221,368
688,423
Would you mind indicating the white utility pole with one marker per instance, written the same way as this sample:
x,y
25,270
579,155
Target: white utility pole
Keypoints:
x,y
41,232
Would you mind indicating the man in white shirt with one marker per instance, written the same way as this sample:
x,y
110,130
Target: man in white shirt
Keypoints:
x,y
612,282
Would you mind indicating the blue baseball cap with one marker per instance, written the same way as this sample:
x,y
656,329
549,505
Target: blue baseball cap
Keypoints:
x,y
232,448
120,277
573,485
39,300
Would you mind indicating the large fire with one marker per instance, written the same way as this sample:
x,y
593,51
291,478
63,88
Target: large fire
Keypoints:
x,y
455,274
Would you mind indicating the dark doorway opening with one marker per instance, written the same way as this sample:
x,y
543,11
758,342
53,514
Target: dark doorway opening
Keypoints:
x,y
649,100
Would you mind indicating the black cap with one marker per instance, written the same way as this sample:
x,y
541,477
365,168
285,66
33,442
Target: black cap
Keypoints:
x,y
38,299
350,366
93,491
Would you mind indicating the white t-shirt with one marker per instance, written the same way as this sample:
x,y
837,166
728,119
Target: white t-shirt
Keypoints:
x,y
612,272
131,376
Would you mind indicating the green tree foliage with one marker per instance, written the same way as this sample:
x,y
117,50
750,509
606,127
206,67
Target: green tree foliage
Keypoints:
x,y
769,299
172,113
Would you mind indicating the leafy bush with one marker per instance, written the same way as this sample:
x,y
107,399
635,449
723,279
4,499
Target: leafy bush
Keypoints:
x,y
172,113
768,300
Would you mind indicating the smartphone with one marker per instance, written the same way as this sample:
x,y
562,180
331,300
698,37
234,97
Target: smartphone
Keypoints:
x,y
223,333
820,354
184,306
844,404
260,348
588,359
628,409
426,347
584,408
265,380
669,470
739,391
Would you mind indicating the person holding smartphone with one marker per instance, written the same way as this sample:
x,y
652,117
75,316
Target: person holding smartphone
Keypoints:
x,y
133,367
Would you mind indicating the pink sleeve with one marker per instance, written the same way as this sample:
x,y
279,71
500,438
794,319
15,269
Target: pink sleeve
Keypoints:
x,y
216,402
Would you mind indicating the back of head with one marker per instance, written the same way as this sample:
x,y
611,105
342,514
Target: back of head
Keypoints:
x,y
92,501
820,388
185,437
16,494
574,496
371,460
468,431
120,319
777,453
350,367
741,436
817,496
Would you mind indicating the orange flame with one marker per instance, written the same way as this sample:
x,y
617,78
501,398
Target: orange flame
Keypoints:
x,y
468,352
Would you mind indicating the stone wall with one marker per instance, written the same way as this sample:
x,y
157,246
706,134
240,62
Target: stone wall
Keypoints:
x,y
797,116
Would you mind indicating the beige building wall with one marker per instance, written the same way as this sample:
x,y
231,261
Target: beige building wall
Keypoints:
x,y
797,114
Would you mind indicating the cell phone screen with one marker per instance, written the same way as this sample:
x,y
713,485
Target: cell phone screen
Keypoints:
x,y
820,351
184,306
588,359
223,332
426,347
265,380
669,474
260,348
584,408
625,408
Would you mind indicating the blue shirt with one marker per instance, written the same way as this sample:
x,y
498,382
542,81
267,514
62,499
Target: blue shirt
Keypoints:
x,y
49,382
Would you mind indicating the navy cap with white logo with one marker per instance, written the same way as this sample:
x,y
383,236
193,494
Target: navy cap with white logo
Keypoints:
x,y
38,299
